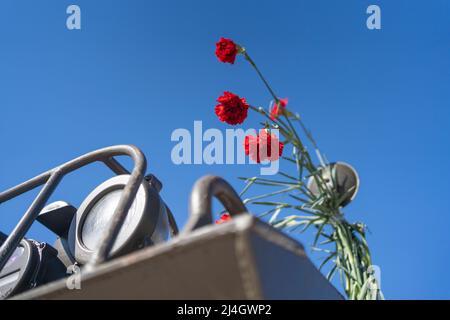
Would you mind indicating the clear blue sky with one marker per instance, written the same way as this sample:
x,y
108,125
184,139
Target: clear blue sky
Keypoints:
x,y
140,69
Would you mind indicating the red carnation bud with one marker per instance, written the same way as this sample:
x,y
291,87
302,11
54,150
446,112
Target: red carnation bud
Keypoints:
x,y
259,147
231,108
278,108
226,50
223,218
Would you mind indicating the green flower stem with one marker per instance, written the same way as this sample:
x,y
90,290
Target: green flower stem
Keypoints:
x,y
297,141
280,125
352,255
253,64
307,133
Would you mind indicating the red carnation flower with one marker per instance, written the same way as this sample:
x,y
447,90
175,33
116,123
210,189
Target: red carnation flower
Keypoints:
x,y
277,108
231,108
259,148
226,50
223,218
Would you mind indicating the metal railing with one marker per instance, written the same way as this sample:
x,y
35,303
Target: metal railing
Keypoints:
x,y
53,177
200,202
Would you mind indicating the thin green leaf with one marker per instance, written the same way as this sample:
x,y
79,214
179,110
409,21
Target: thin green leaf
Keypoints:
x,y
326,260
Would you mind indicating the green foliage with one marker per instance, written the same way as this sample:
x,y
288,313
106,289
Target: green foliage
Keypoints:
x,y
350,256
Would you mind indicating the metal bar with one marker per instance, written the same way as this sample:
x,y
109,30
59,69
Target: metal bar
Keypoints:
x,y
51,179
25,187
200,205
115,166
28,218
125,202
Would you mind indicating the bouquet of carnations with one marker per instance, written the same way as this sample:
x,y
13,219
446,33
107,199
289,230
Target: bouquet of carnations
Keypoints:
x,y
343,243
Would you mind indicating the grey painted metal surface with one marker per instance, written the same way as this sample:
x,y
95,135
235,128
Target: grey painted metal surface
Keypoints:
x,y
242,259
340,177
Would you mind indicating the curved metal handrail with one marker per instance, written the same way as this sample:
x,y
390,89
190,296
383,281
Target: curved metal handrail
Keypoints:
x,y
200,205
50,179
